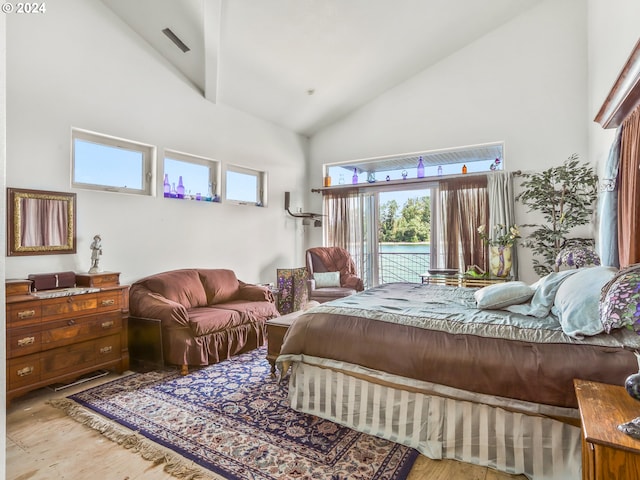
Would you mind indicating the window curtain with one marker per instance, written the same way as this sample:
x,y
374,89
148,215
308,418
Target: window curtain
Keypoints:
x,y
345,224
629,191
463,207
608,206
502,210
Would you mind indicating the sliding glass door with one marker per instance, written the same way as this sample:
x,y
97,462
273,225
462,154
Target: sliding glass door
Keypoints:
x,y
392,242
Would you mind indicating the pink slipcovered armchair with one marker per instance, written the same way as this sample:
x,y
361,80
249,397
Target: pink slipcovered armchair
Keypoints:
x,y
332,274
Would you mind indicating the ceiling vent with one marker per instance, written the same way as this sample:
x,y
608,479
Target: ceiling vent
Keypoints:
x,y
174,38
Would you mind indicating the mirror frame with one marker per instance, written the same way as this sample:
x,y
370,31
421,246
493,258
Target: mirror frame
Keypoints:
x,y
14,221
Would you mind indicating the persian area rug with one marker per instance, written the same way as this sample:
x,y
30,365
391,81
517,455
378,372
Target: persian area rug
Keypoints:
x,y
233,420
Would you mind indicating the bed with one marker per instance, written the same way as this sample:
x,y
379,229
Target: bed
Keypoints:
x,y
424,366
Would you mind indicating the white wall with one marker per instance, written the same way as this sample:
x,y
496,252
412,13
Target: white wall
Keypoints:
x,y
525,84
79,65
3,359
613,32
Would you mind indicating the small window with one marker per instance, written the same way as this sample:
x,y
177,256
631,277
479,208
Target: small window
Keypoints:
x,y
246,186
102,162
191,177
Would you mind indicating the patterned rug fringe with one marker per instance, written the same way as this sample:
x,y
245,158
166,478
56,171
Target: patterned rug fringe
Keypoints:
x,y
174,465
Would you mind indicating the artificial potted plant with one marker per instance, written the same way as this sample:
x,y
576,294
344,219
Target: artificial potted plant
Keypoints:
x,y
565,197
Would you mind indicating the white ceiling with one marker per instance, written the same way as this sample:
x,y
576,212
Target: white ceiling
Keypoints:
x,y
303,64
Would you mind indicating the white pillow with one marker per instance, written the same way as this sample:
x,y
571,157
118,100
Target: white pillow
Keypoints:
x,y
499,295
577,300
327,279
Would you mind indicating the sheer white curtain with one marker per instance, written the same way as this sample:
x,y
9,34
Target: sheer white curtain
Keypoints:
x,y
344,224
502,207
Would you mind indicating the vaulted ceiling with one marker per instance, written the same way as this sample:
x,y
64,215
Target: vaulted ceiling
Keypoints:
x,y
303,64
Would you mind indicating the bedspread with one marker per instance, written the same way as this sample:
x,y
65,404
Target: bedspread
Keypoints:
x,y
436,334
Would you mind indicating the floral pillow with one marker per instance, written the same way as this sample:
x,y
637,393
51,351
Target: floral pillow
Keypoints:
x,y
620,301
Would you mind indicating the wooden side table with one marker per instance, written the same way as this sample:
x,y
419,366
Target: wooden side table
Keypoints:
x,y
607,453
276,330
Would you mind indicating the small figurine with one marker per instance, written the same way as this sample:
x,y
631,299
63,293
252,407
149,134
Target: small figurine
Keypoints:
x,y
96,251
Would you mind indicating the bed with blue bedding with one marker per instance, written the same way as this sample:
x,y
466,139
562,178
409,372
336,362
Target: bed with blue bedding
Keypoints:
x,y
484,376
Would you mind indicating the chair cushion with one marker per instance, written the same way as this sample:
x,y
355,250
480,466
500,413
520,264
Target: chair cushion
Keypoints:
x,y
331,292
206,320
181,286
220,285
251,310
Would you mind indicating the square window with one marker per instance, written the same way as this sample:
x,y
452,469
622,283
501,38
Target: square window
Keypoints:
x,y
245,186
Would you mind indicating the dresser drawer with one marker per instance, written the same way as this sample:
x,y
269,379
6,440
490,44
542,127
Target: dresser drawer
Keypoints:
x,y
73,330
67,359
23,341
65,307
23,371
103,279
108,349
106,324
109,300
24,313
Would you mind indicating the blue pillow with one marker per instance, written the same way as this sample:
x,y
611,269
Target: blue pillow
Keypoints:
x,y
577,300
542,300
499,295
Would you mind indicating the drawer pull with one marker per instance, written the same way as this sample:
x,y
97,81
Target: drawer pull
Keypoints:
x,y
71,322
107,324
106,349
108,303
23,342
23,372
26,314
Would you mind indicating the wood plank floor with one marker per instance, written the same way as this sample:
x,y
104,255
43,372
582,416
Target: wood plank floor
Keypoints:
x,y
44,444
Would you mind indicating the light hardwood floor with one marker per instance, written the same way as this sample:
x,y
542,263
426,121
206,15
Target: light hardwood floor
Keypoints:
x,y
44,444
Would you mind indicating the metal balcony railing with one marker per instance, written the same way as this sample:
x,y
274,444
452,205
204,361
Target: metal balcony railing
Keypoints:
x,y
402,267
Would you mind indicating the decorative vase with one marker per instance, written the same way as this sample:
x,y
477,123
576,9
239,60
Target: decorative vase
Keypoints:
x,y
500,260
632,383
167,186
180,190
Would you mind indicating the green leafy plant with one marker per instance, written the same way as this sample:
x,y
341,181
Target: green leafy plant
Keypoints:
x,y
565,197
503,235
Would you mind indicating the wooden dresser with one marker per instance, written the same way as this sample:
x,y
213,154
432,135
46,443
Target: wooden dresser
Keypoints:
x,y
607,453
59,335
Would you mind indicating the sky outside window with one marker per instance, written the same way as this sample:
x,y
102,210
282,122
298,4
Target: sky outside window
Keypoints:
x,y
98,164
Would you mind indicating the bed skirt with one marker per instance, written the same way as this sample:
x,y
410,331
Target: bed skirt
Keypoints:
x,y
540,447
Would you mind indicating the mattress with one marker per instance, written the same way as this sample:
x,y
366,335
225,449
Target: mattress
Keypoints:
x,y
436,334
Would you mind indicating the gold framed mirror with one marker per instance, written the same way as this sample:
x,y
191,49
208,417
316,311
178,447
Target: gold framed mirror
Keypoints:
x,y
40,222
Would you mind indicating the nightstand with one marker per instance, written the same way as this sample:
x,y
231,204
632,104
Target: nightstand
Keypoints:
x,y
607,453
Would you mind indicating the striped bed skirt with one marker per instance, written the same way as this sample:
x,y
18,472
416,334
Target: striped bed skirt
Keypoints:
x,y
539,447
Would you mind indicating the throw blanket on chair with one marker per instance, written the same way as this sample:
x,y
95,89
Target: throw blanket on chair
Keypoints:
x,y
338,259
